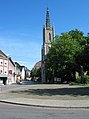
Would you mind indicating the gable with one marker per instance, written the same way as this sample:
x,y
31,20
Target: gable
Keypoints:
x,y
2,55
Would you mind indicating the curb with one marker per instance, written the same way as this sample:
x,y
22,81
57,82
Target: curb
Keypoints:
x,y
33,105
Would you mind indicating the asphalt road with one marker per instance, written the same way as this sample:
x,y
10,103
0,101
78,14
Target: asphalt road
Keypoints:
x,y
15,86
8,111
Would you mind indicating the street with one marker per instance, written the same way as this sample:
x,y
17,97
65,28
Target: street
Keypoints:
x,y
8,111
15,86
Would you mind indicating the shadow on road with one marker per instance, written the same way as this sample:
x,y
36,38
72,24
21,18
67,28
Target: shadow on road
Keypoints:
x,y
29,82
78,91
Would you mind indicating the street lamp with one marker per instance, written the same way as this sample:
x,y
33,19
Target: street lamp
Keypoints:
x,y
81,73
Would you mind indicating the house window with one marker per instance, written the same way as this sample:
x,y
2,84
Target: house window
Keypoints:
x,y
10,71
0,71
5,64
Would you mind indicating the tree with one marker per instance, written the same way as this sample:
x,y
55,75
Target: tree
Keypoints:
x,y
61,60
82,58
35,73
76,34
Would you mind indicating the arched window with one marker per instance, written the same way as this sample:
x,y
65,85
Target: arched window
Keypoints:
x,y
49,37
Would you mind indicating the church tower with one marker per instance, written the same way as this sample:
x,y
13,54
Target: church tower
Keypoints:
x,y
48,38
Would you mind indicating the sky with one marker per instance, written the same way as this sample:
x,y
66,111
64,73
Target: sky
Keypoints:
x,y
21,25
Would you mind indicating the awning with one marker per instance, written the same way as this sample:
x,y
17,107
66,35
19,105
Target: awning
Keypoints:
x,y
3,75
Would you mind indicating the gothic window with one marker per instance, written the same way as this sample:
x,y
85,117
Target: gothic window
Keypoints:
x,y
49,37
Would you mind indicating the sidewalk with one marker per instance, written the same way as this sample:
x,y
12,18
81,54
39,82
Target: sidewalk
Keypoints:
x,y
48,102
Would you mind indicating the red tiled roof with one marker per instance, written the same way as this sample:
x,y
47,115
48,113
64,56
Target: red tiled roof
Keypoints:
x,y
38,65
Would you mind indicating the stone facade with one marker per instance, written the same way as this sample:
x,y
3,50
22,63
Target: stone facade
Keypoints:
x,y
48,38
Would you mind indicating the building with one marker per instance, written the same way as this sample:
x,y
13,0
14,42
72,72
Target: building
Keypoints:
x,y
7,69
25,73
21,72
48,38
28,72
17,72
37,65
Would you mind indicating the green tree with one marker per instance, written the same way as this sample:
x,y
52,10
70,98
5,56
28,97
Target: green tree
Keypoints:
x,y
61,60
82,58
35,73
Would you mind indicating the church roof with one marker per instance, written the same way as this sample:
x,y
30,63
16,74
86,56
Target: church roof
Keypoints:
x,y
47,19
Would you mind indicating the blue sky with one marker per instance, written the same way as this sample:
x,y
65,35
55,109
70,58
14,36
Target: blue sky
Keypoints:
x,y
21,23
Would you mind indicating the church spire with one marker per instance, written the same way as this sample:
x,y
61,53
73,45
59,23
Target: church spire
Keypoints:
x,y
47,19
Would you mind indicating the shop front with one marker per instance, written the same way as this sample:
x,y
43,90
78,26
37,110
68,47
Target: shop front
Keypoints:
x,y
3,79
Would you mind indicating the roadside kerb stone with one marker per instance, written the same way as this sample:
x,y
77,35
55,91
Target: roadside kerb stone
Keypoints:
x,y
48,103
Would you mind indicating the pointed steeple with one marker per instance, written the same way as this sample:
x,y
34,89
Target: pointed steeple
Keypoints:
x,y
47,19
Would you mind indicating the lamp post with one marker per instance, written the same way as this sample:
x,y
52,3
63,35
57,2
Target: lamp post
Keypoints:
x,y
81,73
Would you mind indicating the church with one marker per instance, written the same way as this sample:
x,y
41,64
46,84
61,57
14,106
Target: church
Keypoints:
x,y
48,38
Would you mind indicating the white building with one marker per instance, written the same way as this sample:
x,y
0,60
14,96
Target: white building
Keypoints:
x,y
20,72
23,73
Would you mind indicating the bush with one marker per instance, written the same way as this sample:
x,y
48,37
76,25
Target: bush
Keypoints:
x,y
78,80
73,83
83,80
